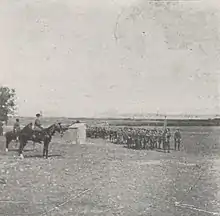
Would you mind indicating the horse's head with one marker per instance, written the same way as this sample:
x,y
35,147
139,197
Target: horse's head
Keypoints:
x,y
54,128
58,128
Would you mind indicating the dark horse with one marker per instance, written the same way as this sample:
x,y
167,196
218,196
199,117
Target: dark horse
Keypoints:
x,y
44,136
11,135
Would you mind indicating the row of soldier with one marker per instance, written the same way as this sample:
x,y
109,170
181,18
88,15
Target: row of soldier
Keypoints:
x,y
138,138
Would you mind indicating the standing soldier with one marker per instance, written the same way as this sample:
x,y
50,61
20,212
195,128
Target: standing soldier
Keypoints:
x,y
166,140
16,129
129,140
160,138
145,140
177,139
1,128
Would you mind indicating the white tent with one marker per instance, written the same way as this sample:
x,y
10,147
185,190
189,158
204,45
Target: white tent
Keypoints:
x,y
76,134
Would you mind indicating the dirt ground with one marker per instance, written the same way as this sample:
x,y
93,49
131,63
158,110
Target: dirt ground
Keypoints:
x,y
100,178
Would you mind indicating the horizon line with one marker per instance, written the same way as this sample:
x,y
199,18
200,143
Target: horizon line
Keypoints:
x,y
149,116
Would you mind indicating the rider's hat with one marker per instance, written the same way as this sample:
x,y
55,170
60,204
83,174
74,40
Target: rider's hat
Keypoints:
x,y
38,115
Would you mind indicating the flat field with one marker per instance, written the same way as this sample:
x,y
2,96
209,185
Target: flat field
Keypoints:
x,y
100,178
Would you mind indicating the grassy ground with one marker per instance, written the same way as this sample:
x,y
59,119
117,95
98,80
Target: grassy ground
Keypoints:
x,y
99,178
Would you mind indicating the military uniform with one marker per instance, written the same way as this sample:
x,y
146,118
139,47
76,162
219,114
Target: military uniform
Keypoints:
x,y
37,125
177,139
16,127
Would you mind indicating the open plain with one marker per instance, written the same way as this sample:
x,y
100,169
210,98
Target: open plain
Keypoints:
x,y
101,178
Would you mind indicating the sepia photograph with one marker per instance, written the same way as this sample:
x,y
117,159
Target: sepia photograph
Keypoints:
x,y
110,108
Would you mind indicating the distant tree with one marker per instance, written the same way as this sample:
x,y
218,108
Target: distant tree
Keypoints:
x,y
7,103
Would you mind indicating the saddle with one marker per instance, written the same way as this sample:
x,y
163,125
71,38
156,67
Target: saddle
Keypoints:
x,y
37,134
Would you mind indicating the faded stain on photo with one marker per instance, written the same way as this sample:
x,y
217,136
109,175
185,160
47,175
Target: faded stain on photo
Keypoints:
x,y
63,57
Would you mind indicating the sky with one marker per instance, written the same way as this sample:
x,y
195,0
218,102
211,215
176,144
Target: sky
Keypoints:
x,y
109,57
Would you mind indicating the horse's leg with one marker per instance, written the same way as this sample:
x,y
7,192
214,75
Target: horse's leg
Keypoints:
x,y
23,142
20,151
8,141
45,150
16,140
178,145
47,147
7,144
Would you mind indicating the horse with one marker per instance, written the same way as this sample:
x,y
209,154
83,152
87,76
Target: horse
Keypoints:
x,y
44,136
12,135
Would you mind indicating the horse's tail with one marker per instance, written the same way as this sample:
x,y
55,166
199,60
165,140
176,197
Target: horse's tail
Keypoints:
x,y
6,137
7,134
9,138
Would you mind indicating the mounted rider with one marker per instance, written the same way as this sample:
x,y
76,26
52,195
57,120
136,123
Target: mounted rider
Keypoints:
x,y
16,128
37,123
38,128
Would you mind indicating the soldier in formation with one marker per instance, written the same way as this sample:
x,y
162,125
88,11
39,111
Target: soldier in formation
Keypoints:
x,y
138,138
177,139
